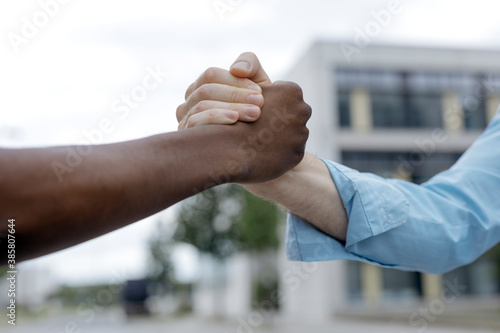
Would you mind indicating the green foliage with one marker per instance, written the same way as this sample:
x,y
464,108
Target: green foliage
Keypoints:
x,y
74,296
3,270
494,255
205,220
263,293
226,219
258,222
161,268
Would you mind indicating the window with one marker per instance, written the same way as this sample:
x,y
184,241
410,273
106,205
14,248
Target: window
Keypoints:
x,y
474,109
414,99
424,110
419,165
388,109
343,107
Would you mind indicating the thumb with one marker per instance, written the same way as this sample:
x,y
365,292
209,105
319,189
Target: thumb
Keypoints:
x,y
248,66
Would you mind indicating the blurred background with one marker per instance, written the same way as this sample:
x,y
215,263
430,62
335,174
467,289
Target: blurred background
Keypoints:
x,y
398,88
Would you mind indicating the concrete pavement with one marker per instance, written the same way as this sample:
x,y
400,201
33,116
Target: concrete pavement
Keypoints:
x,y
112,321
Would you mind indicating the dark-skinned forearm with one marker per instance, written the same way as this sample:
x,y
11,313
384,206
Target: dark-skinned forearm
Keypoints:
x,y
115,185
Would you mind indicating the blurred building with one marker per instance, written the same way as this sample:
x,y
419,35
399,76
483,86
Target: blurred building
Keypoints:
x,y
403,112
34,286
228,288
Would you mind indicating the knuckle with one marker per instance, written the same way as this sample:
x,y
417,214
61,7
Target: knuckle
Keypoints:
x,y
211,74
307,111
299,153
235,95
180,112
182,124
199,107
189,91
297,90
211,116
203,92
292,87
189,123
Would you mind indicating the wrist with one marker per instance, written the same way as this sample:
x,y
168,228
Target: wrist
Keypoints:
x,y
289,181
222,160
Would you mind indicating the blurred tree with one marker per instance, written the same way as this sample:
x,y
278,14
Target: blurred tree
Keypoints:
x,y
206,220
3,270
257,224
494,255
226,219
161,268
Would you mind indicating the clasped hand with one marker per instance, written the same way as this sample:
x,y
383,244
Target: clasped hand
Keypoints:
x,y
271,116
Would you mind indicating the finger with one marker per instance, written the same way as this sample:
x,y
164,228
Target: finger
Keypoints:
x,y
248,66
213,116
181,112
246,112
221,76
224,93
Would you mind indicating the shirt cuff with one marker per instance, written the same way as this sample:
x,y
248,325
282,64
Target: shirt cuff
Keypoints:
x,y
373,206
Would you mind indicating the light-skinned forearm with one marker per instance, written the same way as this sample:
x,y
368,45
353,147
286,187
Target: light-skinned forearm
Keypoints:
x,y
309,192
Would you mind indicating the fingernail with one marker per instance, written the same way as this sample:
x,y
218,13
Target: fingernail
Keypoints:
x,y
255,87
232,115
242,65
256,99
252,111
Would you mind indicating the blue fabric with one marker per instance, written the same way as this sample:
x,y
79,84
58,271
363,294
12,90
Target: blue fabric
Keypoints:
x,y
434,227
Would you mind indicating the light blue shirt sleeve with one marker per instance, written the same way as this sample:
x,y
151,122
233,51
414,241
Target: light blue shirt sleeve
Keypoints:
x,y
434,227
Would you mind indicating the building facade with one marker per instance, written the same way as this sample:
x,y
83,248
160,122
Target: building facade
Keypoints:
x,y
403,112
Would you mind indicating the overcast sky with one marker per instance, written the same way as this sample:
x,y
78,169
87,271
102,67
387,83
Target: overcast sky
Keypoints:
x,y
60,80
